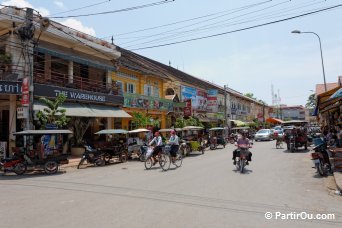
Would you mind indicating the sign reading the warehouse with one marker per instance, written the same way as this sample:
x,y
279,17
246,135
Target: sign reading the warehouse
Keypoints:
x,y
8,87
76,95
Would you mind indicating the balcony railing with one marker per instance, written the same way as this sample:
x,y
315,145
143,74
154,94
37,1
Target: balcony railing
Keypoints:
x,y
62,80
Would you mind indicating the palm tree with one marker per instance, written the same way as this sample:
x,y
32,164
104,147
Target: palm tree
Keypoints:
x,y
53,114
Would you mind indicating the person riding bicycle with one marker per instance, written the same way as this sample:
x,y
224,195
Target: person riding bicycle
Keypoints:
x,y
158,142
174,142
242,143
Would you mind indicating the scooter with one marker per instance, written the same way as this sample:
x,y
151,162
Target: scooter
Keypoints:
x,y
320,159
92,156
14,164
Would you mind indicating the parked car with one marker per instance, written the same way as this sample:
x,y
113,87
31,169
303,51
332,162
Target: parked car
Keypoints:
x,y
263,134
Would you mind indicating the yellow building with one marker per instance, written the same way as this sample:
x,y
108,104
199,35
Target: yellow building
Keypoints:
x,y
142,89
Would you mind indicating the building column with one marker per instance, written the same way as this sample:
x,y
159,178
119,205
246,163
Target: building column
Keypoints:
x,y
15,51
109,79
12,121
47,66
70,72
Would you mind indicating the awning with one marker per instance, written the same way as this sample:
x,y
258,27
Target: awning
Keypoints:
x,y
274,120
42,132
87,110
111,131
239,123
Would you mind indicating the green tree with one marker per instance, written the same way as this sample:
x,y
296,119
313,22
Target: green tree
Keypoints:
x,y
142,120
311,101
53,114
250,95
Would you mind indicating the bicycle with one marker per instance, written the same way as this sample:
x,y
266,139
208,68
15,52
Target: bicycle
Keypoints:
x,y
163,158
178,159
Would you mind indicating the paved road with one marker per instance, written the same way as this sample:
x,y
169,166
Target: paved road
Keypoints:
x,y
205,192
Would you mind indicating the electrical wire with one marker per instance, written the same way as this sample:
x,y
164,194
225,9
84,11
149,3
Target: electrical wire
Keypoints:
x,y
120,10
239,30
187,20
83,7
259,10
206,28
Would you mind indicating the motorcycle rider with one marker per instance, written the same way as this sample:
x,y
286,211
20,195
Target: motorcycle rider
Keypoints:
x,y
158,141
242,142
174,142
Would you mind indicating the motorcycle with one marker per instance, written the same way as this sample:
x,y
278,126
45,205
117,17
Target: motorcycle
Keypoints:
x,y
92,156
14,164
242,159
320,159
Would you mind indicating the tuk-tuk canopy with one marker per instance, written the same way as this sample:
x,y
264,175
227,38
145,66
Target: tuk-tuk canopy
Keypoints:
x,y
111,131
140,130
240,128
170,129
295,123
239,123
216,129
192,128
42,132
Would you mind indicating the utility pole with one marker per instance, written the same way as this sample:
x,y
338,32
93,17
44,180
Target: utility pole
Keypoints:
x,y
225,106
26,33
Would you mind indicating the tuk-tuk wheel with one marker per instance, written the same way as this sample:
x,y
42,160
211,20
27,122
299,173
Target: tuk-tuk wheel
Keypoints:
x,y
51,167
123,157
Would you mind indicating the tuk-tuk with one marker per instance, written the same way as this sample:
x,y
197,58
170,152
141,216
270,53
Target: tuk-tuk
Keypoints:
x,y
115,147
137,146
43,150
217,136
192,140
295,134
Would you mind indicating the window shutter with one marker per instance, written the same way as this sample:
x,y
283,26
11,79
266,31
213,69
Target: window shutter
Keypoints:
x,y
146,90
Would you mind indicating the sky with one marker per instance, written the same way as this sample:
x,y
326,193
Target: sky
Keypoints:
x,y
249,61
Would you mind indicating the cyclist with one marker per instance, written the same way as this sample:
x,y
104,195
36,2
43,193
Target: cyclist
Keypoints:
x,y
174,142
157,141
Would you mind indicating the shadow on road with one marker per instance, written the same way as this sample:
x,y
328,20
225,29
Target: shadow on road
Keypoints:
x,y
28,174
246,171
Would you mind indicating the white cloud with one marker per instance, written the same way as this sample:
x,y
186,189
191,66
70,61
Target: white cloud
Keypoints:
x,y
76,24
59,4
23,4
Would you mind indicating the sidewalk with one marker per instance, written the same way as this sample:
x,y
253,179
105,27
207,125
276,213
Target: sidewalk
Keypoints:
x,y
73,162
338,179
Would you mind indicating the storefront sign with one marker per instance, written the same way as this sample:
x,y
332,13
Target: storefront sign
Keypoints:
x,y
8,87
201,100
25,99
22,113
147,102
25,85
188,93
212,104
76,95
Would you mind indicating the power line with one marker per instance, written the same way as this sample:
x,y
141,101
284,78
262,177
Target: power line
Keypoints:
x,y
205,28
120,10
96,4
239,30
259,10
191,19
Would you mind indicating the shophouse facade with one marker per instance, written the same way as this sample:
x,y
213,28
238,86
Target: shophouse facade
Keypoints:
x,y
62,60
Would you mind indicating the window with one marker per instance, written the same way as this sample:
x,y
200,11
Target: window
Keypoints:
x,y
156,91
148,90
121,87
130,88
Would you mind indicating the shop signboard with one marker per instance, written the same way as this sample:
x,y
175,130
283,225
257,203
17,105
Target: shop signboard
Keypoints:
x,y
22,113
76,95
212,104
9,87
201,100
147,102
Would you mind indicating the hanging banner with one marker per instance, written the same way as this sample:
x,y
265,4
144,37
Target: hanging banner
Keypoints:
x,y
25,85
201,101
188,93
25,99
188,109
212,104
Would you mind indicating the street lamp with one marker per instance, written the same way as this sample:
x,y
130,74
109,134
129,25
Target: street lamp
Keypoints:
x,y
320,46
